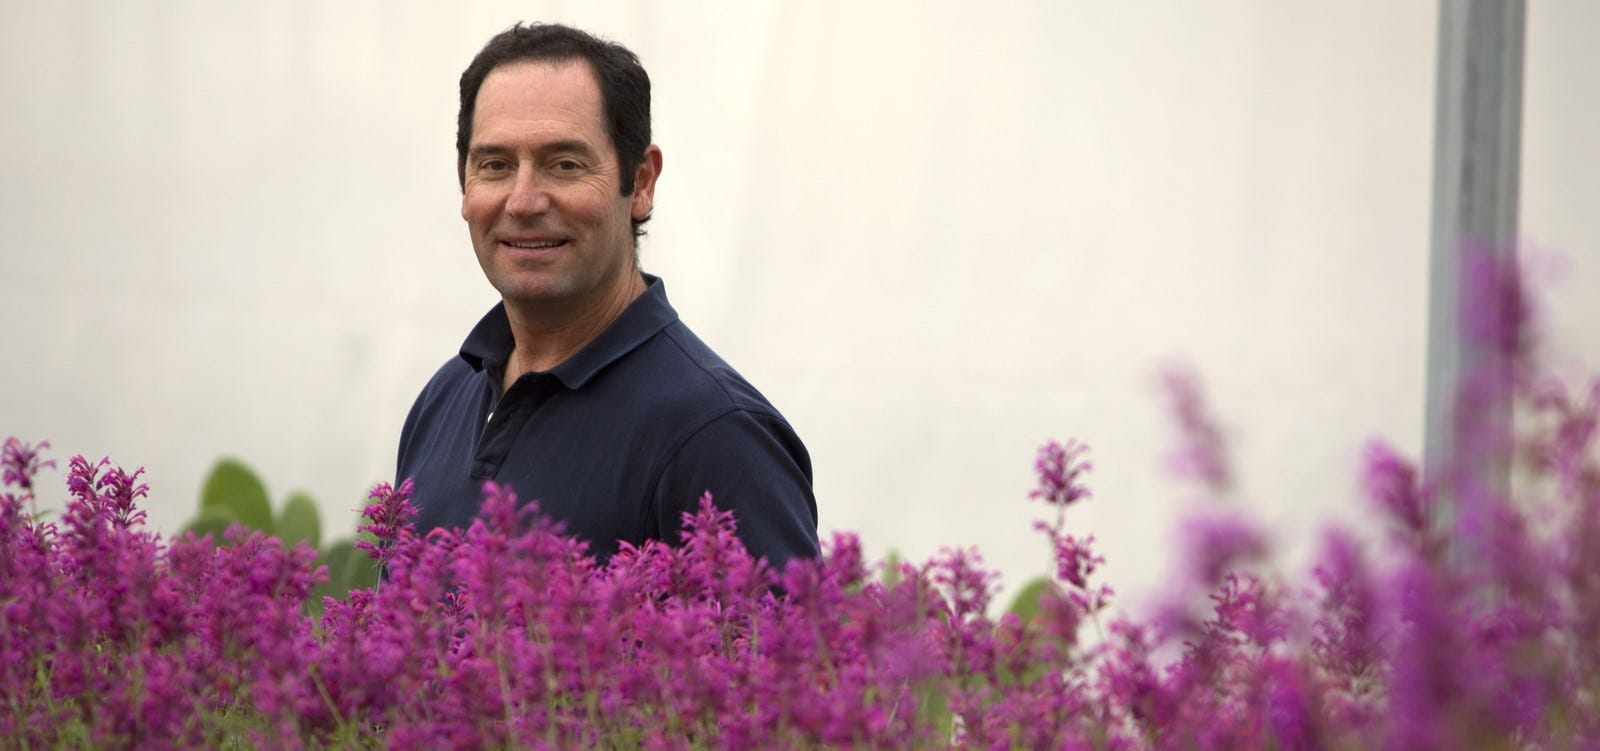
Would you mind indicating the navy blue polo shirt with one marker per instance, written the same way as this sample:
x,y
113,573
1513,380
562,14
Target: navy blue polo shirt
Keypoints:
x,y
616,442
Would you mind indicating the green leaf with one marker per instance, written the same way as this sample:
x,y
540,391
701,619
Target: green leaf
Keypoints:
x,y
348,568
337,557
891,568
213,523
233,489
1026,603
299,520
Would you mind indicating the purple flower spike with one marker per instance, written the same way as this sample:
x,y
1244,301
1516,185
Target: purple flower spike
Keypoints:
x,y
1217,544
1391,482
1494,309
507,634
1202,452
968,585
1075,561
21,462
122,491
1059,469
1345,639
388,519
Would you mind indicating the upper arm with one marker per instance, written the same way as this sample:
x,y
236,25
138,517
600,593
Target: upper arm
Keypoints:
x,y
753,464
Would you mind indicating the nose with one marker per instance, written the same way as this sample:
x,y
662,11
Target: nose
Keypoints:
x,y
528,195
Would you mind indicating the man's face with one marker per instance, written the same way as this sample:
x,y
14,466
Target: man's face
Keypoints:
x,y
541,200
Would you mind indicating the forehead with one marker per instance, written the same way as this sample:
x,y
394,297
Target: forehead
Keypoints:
x,y
524,93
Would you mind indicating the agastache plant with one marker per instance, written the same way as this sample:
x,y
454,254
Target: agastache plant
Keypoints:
x,y
508,634
1060,470
19,463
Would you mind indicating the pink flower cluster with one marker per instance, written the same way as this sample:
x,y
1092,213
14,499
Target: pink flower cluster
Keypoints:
x,y
508,635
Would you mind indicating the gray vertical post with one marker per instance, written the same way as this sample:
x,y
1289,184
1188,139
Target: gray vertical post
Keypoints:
x,y
1478,128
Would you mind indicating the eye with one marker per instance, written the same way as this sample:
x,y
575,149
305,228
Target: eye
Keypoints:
x,y
493,165
567,165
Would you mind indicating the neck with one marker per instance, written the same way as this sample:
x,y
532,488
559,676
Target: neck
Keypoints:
x,y
545,336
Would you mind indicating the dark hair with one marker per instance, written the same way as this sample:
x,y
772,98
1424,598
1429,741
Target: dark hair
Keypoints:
x,y
624,89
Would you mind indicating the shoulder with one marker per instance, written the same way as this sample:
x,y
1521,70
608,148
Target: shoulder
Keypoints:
x,y
697,406
747,439
454,374
753,464
673,389
454,381
706,380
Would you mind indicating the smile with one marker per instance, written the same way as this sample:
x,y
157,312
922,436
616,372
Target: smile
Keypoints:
x,y
534,245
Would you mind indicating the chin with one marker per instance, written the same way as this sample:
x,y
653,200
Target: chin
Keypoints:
x,y
532,295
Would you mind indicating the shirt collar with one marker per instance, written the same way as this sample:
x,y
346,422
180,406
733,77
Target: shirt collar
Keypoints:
x,y
489,345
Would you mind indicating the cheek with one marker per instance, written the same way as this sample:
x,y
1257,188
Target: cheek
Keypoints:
x,y
478,211
594,200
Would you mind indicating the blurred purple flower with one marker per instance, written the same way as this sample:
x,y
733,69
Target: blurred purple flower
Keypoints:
x,y
1202,453
1218,543
1291,708
1564,449
1060,469
20,462
1075,561
1390,481
1494,308
1348,632
508,634
968,586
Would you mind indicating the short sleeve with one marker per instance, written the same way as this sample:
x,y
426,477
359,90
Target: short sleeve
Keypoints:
x,y
754,465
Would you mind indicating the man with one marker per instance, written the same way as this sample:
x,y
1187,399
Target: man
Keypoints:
x,y
581,389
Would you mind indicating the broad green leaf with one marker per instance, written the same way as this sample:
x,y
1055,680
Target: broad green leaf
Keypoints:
x,y
337,558
348,568
213,523
1026,603
299,521
233,489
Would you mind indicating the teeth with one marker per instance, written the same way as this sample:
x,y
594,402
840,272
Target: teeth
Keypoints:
x,y
549,244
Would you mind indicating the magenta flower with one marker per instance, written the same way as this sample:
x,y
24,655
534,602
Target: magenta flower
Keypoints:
x,y
1494,308
508,634
1060,469
1391,482
1075,561
1202,453
20,462
1218,543
388,518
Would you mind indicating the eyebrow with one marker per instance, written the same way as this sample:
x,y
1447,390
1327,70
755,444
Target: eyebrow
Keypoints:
x,y
485,149
568,145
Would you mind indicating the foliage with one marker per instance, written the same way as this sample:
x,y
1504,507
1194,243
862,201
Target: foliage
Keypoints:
x,y
1478,628
234,494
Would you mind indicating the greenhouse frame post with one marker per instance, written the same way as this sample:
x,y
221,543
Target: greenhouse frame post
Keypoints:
x,y
1477,141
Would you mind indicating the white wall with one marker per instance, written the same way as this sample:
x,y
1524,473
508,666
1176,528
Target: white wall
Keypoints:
x,y
934,235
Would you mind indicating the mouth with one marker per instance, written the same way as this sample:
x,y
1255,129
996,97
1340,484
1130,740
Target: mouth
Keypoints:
x,y
532,247
534,244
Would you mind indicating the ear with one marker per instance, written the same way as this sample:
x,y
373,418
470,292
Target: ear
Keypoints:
x,y
644,183
461,170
